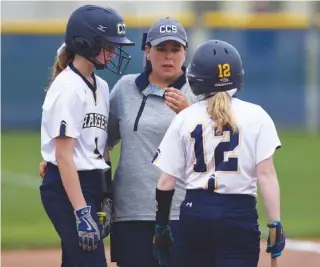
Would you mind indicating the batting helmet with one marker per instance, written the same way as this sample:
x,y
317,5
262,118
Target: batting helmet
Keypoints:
x,y
91,28
215,67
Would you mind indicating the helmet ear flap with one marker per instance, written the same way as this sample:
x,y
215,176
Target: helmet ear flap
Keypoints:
x,y
84,47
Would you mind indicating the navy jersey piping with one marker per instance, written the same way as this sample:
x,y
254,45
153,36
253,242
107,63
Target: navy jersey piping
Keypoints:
x,y
93,87
142,83
143,103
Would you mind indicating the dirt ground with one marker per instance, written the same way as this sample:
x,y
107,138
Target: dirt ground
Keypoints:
x,y
51,258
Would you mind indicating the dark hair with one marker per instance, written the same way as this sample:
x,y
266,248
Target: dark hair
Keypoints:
x,y
148,65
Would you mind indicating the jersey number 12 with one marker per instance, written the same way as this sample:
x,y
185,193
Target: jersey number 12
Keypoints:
x,y
230,165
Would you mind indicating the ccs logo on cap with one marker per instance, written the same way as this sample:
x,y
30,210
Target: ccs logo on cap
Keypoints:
x,y
168,28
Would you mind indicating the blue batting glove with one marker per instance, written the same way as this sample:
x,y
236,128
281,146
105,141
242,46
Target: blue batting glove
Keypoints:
x,y
163,244
280,243
88,231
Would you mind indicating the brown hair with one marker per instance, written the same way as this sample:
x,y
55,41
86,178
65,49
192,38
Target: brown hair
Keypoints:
x,y
62,61
219,109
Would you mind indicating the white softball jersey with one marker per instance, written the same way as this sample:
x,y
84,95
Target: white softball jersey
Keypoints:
x,y
192,150
74,108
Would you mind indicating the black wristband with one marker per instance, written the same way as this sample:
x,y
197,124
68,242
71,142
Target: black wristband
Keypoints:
x,y
164,199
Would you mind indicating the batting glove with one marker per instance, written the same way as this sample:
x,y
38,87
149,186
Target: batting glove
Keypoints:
x,y
163,244
107,209
88,231
280,243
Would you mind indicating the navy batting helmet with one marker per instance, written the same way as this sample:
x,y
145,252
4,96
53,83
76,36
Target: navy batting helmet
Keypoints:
x,y
215,67
91,28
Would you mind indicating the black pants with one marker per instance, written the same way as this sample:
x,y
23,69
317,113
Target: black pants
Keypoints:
x,y
132,243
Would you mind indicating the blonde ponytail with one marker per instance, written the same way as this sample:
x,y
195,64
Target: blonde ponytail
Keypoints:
x,y
63,59
219,109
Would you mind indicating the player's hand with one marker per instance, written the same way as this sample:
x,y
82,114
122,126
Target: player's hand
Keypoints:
x,y
163,244
88,231
176,99
280,243
42,168
107,209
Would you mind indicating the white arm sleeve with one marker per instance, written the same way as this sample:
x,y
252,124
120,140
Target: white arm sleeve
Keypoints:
x,y
268,140
63,112
170,156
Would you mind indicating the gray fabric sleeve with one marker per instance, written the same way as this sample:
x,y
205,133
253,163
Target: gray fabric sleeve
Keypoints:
x,y
113,130
114,114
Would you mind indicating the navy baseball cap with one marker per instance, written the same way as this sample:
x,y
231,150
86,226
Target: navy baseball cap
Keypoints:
x,y
167,30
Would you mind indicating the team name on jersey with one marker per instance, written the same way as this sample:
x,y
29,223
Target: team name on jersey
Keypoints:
x,y
95,120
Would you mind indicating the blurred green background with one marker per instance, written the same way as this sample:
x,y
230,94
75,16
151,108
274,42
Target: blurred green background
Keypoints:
x,y
279,42
25,224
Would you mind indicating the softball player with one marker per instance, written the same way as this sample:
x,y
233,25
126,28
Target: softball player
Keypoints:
x,y
222,147
74,132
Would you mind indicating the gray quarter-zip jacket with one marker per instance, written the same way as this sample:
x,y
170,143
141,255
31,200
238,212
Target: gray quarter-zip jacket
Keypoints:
x,y
139,118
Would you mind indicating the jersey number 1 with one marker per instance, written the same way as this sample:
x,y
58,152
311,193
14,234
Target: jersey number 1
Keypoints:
x,y
230,165
96,151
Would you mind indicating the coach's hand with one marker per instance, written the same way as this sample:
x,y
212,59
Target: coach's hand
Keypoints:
x,y
176,99
280,240
42,168
163,244
88,231
107,209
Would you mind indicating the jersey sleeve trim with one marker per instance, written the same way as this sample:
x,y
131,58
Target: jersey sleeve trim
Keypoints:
x,y
167,171
63,128
268,155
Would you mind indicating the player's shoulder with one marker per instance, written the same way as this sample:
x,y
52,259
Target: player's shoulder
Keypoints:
x,y
245,104
249,109
68,85
66,81
194,111
67,76
101,82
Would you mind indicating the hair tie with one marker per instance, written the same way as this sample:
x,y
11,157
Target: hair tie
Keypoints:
x,y
60,49
232,92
